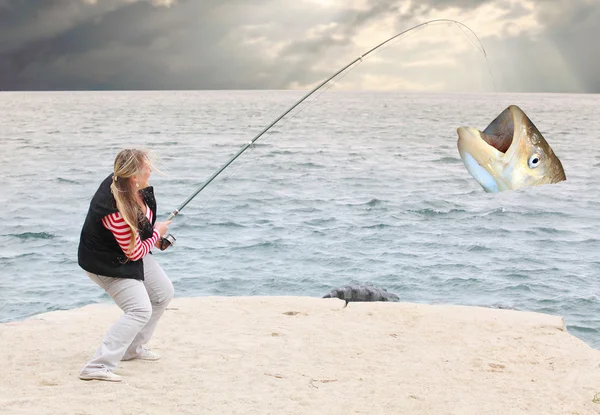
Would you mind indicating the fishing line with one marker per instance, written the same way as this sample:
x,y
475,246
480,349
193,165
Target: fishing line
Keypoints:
x,y
225,180
482,50
270,133
344,70
262,140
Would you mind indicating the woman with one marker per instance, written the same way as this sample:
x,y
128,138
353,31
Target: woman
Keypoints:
x,y
116,238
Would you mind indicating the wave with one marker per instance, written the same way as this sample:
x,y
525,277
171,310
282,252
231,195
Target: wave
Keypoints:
x,y
549,230
447,160
454,281
310,164
62,180
430,212
228,224
259,245
281,152
378,226
374,202
32,235
582,329
478,248
518,276
317,222
371,203
20,256
306,209
519,287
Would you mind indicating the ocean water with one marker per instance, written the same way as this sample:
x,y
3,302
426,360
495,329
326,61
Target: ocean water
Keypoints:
x,y
354,187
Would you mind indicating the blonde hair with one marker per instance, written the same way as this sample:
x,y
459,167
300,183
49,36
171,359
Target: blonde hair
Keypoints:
x,y
129,163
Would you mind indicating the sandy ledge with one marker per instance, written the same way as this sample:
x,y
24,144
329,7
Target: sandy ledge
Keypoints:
x,y
303,355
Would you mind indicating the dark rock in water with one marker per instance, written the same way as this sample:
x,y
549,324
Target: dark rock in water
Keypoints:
x,y
362,292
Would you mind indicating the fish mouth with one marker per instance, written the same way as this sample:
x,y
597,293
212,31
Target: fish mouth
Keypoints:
x,y
501,132
486,153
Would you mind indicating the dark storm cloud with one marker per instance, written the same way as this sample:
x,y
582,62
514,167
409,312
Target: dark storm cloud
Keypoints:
x,y
135,45
575,32
119,36
232,44
35,33
27,21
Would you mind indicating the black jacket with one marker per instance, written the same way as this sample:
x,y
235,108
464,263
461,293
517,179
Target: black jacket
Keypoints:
x,y
99,252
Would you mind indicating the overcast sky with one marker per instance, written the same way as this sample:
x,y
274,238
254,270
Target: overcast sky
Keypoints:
x,y
531,45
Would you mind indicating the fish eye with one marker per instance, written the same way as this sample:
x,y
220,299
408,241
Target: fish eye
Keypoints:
x,y
534,161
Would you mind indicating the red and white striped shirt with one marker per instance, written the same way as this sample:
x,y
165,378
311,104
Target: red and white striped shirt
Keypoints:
x,y
122,232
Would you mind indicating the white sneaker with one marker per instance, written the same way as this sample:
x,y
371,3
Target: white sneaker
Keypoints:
x,y
101,374
146,355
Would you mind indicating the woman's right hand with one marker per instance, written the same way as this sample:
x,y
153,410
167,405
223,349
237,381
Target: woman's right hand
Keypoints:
x,y
162,227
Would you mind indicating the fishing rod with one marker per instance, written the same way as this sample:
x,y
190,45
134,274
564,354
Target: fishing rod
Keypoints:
x,y
169,239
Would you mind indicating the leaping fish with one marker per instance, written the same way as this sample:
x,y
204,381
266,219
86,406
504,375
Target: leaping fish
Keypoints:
x,y
366,292
510,153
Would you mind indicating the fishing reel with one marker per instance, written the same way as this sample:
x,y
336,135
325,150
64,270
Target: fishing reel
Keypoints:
x,y
166,241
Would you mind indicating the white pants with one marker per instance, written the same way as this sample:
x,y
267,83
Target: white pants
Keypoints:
x,y
143,303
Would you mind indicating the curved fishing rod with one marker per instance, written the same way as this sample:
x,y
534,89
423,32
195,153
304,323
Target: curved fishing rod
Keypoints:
x,y
168,241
